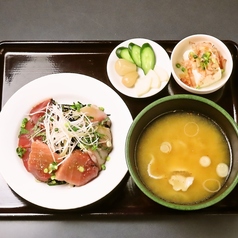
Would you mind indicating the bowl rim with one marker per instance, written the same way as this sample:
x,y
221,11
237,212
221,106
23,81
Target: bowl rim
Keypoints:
x,y
210,88
162,60
144,189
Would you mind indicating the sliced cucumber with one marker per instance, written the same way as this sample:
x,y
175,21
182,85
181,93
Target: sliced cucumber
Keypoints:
x,y
123,53
135,51
148,59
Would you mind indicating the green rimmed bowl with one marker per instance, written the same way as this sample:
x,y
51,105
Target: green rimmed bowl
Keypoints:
x,y
189,103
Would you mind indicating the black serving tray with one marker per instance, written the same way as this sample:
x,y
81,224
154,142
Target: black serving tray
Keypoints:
x,y
22,62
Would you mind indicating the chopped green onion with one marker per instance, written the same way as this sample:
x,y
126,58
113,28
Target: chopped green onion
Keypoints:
x,y
23,123
52,167
52,182
23,131
94,147
20,151
76,106
81,169
183,69
178,65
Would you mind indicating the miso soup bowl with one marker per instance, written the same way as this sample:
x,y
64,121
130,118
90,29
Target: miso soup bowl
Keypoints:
x,y
185,103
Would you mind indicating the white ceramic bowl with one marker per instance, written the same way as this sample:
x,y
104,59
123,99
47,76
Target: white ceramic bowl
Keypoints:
x,y
162,62
184,45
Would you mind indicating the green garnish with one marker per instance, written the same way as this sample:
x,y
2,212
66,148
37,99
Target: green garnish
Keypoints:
x,y
23,129
20,151
94,147
46,170
178,65
52,167
81,169
23,123
205,59
76,106
195,56
183,69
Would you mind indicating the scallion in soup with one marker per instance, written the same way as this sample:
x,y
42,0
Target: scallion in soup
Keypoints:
x,y
183,157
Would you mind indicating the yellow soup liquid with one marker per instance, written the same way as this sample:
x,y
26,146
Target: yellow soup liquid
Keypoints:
x,y
172,147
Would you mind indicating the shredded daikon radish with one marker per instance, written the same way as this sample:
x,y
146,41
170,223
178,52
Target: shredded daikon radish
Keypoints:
x,y
67,129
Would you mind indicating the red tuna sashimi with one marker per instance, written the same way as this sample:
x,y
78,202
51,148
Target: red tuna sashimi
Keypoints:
x,y
39,110
78,169
40,158
25,139
25,158
35,113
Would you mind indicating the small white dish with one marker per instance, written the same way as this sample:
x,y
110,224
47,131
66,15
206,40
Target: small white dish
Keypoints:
x,y
184,46
162,61
64,88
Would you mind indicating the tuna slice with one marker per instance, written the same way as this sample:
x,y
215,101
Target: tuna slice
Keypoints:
x,y
39,111
40,158
25,140
78,169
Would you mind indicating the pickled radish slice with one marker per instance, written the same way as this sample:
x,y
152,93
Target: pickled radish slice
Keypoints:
x,y
124,67
222,170
163,75
143,85
130,79
205,161
155,80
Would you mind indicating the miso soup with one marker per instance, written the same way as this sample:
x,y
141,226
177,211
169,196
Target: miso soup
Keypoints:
x,y
183,157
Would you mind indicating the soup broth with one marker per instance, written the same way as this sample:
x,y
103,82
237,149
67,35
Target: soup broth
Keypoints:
x,y
183,157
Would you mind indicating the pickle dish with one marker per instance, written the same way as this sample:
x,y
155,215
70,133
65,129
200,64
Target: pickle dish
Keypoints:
x,y
201,64
139,68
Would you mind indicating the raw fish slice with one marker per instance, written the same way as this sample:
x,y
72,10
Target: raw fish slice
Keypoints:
x,y
39,110
40,158
100,155
94,113
78,169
